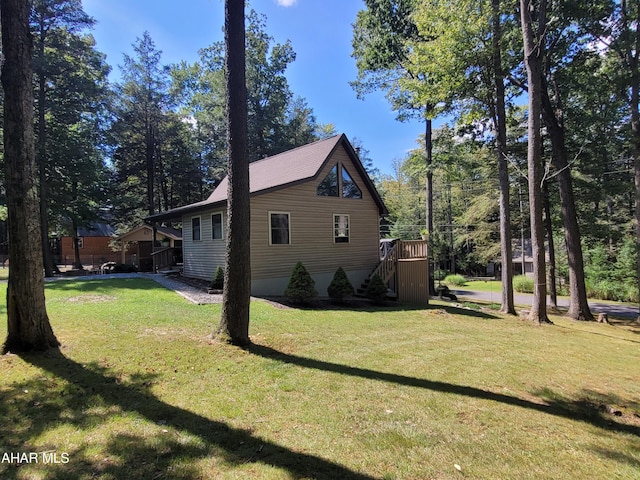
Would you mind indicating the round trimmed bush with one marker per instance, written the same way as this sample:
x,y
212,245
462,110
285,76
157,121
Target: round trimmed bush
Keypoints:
x,y
523,284
456,280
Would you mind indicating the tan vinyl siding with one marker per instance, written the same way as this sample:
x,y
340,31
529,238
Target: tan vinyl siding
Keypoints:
x,y
311,228
201,257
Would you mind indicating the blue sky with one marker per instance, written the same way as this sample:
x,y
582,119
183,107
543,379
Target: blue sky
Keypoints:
x,y
320,32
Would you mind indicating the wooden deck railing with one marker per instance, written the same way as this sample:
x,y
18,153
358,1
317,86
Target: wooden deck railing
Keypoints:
x,y
163,258
408,249
387,267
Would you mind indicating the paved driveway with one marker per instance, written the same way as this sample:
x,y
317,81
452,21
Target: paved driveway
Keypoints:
x,y
622,310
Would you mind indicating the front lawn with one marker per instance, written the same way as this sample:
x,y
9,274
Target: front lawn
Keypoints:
x,y
141,392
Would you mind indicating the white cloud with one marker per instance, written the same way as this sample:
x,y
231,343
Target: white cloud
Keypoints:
x,y
286,3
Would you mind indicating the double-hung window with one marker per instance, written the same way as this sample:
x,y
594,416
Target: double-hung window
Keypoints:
x,y
341,228
279,228
216,226
195,229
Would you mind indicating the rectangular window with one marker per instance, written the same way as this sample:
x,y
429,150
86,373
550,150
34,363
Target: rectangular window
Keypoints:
x,y
341,228
216,226
279,228
195,229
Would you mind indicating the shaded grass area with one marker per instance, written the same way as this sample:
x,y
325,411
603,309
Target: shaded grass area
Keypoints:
x,y
140,391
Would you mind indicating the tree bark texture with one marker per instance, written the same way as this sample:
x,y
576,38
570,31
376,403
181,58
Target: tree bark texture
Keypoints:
x,y
500,121
234,321
578,307
533,62
28,327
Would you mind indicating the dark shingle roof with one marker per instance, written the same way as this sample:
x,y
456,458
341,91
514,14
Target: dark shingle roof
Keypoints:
x,y
277,171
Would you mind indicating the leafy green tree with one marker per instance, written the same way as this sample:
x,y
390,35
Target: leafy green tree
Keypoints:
x,y
277,120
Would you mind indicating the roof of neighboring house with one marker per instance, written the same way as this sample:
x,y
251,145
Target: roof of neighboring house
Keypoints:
x,y
96,229
173,233
282,170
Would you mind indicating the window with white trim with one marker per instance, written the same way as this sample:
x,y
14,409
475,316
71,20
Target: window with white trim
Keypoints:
x,y
279,228
195,229
216,226
341,228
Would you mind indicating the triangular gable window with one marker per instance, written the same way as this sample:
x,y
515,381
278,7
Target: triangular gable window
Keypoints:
x,y
329,186
349,187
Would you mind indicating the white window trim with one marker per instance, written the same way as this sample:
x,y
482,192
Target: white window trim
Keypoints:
x,y
221,226
333,226
200,223
288,214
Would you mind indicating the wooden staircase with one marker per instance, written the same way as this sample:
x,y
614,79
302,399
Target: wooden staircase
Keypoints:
x,y
388,266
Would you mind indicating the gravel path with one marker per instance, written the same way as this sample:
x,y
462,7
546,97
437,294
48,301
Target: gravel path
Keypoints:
x,y
191,293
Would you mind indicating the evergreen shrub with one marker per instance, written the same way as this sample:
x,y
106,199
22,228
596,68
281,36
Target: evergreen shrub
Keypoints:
x,y
376,290
340,287
301,286
217,283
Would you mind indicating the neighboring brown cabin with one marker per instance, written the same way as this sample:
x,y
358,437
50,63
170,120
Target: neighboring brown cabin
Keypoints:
x,y
93,244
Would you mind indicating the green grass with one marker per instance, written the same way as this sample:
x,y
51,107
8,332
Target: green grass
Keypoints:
x,y
141,392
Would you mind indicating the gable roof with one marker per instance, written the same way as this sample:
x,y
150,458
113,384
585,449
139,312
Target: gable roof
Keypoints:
x,y
282,170
168,232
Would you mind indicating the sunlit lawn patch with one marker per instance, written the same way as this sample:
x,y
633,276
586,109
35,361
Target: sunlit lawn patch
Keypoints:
x,y
142,392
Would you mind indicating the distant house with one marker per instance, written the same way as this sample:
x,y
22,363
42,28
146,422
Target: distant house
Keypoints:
x,y
139,247
93,245
314,204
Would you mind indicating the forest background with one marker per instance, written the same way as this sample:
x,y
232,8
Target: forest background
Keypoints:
x,y
155,140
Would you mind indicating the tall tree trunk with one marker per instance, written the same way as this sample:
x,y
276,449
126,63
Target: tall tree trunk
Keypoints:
x,y
500,122
234,321
548,226
578,307
150,163
631,53
49,265
533,41
28,326
428,144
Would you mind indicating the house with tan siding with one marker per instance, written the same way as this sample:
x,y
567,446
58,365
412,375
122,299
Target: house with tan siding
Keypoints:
x,y
314,204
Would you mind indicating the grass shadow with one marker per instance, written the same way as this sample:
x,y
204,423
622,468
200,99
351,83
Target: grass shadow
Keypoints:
x,y
93,284
128,456
551,405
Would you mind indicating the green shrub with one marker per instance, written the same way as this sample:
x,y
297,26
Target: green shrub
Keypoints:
x,y
439,275
523,284
376,290
340,287
217,283
457,280
301,286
